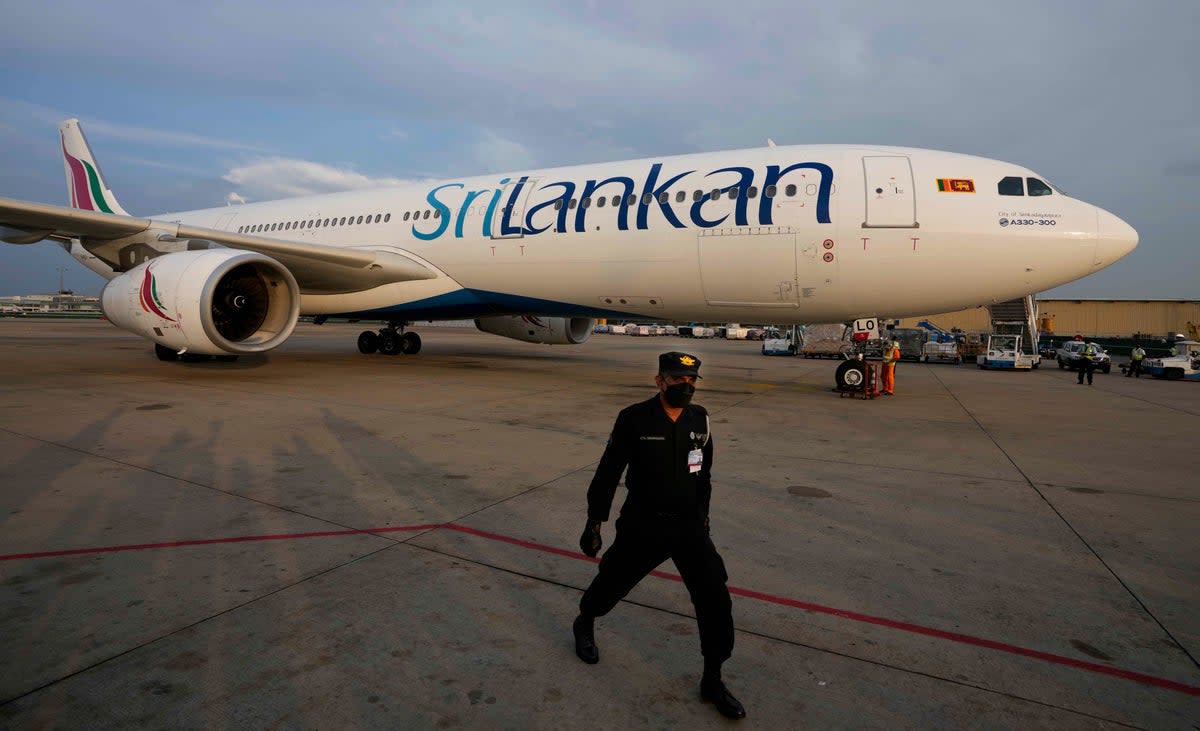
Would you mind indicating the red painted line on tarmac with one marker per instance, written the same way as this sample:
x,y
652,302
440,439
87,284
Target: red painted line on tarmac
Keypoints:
x,y
737,591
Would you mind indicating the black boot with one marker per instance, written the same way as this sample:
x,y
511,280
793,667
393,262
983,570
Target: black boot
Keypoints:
x,y
713,690
716,693
585,640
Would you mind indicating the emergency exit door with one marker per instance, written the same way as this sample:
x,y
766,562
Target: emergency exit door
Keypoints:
x,y
891,202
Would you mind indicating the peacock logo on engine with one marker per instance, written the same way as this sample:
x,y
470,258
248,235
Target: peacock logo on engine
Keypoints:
x,y
150,300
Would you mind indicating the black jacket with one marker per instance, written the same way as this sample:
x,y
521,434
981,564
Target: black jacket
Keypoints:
x,y
655,450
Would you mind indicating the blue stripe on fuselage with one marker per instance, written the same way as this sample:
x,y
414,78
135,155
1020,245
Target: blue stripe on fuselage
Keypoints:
x,y
466,304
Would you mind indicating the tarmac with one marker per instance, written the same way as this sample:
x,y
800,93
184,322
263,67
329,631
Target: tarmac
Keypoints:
x,y
321,539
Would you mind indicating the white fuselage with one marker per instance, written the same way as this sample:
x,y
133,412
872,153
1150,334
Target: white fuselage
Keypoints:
x,y
849,232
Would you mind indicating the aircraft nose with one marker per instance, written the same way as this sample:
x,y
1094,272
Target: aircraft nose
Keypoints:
x,y
1114,239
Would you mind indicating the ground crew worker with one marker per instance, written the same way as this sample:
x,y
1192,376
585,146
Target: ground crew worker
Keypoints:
x,y
1135,361
666,443
891,354
1087,362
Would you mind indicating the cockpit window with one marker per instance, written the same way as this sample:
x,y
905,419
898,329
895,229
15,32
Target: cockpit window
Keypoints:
x,y
1011,185
1037,187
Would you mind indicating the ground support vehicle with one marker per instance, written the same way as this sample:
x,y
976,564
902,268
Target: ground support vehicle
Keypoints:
x,y
941,351
1184,366
1069,356
777,342
1004,353
912,342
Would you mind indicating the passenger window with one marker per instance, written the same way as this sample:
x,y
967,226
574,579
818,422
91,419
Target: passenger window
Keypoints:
x,y
378,217
601,201
572,203
697,195
1037,187
715,194
387,217
426,215
406,214
733,193
752,192
646,198
789,191
810,189
1011,186
769,191
631,200
680,196
586,202
437,214
558,204
664,197
616,201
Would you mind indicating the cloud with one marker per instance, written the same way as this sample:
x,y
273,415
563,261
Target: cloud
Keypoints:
x,y
280,177
234,198
162,137
496,153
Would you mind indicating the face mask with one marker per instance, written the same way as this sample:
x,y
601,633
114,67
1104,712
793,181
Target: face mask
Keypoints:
x,y
679,395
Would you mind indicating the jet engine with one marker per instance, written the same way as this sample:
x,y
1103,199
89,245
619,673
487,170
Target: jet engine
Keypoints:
x,y
213,302
534,329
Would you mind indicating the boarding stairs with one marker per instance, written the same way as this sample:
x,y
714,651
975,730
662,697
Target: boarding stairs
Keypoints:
x,y
1017,317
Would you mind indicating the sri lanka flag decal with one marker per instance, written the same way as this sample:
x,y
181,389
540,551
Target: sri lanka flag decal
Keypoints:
x,y
149,297
955,185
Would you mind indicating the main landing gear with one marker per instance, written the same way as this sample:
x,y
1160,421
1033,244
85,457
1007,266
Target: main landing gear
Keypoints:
x,y
390,340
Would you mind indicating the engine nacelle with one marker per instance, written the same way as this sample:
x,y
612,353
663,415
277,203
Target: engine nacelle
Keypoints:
x,y
534,329
213,302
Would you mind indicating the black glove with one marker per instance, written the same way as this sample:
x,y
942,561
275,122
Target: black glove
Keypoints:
x,y
590,542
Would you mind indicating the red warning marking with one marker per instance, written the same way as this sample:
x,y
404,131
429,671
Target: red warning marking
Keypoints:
x,y
735,590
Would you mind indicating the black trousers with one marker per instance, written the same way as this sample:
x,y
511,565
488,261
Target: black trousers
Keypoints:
x,y
644,543
1087,367
1135,369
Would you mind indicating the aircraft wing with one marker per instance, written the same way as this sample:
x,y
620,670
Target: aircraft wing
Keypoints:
x,y
317,267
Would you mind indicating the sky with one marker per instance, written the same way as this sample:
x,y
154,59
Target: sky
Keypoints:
x,y
192,105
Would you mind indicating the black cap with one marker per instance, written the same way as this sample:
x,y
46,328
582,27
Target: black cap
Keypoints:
x,y
679,364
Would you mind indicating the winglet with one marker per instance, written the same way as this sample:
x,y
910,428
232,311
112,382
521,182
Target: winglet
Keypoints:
x,y
85,183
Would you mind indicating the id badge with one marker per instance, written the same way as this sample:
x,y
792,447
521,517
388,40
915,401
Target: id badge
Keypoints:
x,y
695,460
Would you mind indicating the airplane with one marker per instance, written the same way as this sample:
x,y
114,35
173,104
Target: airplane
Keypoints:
x,y
780,234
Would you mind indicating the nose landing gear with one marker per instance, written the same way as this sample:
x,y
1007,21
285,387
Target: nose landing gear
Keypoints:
x,y
390,340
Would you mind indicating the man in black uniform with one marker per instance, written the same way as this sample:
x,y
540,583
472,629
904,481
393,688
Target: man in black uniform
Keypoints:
x,y
666,444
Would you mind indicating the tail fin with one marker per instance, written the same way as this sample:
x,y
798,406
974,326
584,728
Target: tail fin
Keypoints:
x,y
85,183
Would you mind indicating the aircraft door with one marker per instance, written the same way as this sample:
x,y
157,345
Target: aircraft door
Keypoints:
x,y
756,269
508,220
891,202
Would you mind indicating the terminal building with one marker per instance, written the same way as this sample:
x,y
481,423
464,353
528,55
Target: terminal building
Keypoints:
x,y
1089,317
63,304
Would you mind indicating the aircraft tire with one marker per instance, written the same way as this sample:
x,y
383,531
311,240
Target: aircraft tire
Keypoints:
x,y
389,343
368,342
850,375
165,353
410,343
